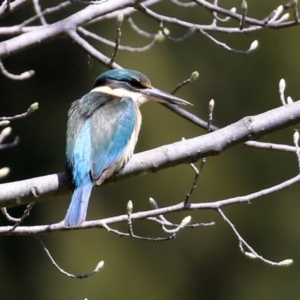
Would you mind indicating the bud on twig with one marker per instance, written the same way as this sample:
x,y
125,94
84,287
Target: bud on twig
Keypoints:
x,y
282,85
286,262
284,18
100,265
296,137
27,74
159,38
244,6
186,221
253,45
211,104
289,100
129,207
153,203
4,172
194,75
5,132
33,107
120,19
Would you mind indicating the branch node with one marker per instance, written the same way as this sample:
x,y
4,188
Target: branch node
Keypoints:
x,y
35,192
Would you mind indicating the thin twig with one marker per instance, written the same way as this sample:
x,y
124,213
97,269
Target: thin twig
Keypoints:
x,y
23,76
120,19
38,12
132,235
112,44
33,107
140,31
193,77
45,12
296,143
88,2
195,180
252,47
252,253
25,215
10,145
244,13
166,33
93,52
211,106
168,223
82,276
182,4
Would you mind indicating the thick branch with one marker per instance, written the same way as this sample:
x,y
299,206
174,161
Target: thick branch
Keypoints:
x,y
187,151
61,28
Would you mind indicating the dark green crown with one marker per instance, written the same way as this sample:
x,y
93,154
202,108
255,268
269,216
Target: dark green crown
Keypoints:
x,y
134,78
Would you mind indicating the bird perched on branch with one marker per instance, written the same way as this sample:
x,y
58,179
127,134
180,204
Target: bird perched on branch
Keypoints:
x,y
102,131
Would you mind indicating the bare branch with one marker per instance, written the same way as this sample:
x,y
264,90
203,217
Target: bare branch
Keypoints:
x,y
139,31
81,276
120,19
163,157
194,76
166,33
120,47
10,145
33,107
185,5
8,7
271,146
38,12
252,253
25,215
34,230
23,76
40,15
244,8
91,50
252,47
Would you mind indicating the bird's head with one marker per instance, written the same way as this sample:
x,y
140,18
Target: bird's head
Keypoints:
x,y
133,84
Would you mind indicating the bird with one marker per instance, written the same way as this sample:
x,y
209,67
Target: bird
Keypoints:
x,y
102,131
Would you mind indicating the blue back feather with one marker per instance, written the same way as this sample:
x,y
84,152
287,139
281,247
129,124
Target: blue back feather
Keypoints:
x,y
82,155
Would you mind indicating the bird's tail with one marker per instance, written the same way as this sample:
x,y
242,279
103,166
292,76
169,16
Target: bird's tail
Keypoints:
x,y
76,213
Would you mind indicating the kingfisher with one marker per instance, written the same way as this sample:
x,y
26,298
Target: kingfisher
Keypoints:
x,y
102,132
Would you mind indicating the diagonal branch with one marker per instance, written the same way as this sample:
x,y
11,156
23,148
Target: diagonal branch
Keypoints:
x,y
187,151
61,28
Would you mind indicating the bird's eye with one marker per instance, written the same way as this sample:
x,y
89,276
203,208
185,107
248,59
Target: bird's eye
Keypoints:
x,y
137,84
140,84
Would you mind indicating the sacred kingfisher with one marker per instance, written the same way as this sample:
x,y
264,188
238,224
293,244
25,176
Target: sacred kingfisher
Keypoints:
x,y
102,131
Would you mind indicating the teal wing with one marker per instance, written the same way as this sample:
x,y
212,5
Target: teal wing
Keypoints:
x,y
112,126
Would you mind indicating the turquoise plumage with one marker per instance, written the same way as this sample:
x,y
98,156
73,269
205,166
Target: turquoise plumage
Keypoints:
x,y
102,132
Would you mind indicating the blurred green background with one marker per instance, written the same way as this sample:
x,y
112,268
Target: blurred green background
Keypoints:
x,y
203,263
